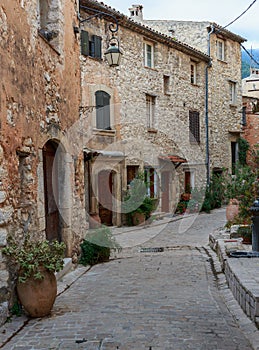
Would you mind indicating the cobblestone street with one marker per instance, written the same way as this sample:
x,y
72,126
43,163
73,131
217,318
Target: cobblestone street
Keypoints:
x,y
153,301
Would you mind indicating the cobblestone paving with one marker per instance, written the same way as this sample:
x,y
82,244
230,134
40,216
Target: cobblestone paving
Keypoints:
x,y
154,301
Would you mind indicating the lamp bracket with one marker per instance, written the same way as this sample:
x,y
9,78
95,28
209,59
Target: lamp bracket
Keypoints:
x,y
113,27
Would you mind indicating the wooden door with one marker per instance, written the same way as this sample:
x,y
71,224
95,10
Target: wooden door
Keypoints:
x,y
105,197
165,186
51,189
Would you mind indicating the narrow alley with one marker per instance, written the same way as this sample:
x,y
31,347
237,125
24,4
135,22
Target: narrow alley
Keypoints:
x,y
166,300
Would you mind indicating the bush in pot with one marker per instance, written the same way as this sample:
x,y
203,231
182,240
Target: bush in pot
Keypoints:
x,y
36,263
137,203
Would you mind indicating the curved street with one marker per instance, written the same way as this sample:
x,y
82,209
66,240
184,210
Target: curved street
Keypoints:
x,y
167,300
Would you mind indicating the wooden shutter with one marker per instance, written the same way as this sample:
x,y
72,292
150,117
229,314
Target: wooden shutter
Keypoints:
x,y
194,127
102,110
97,46
84,43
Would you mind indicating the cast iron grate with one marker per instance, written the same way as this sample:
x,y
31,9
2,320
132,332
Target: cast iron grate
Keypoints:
x,y
152,250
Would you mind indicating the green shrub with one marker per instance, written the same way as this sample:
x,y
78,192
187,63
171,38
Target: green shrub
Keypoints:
x,y
97,245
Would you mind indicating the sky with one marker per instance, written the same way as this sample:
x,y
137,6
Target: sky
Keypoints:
x,y
221,11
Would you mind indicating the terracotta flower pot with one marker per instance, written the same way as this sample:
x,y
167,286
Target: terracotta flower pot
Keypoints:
x,y
138,219
232,209
38,296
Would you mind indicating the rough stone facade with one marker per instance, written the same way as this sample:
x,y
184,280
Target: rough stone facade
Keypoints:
x,y
251,121
39,100
224,115
128,85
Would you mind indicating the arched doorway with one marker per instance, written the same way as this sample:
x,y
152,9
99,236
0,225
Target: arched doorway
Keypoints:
x,y
51,174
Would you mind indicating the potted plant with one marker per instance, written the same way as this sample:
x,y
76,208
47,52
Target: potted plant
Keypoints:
x,y
137,204
36,263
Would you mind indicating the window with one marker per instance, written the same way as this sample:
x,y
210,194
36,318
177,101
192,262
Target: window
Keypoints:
x,y
167,85
234,156
193,73
91,45
150,110
220,46
194,127
148,55
102,100
232,92
132,171
48,19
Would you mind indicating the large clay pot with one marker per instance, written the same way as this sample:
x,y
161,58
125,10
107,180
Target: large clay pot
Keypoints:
x,y
138,219
38,296
232,209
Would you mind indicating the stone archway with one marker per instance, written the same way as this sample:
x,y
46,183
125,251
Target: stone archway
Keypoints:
x,y
51,176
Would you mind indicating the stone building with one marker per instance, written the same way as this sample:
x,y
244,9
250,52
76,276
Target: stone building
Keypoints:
x,y
250,85
147,114
39,102
250,93
224,81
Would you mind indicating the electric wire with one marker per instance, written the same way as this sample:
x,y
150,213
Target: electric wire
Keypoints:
x,y
251,56
240,14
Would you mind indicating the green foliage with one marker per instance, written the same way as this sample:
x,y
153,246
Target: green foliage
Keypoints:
x,y
136,199
212,196
243,147
245,231
245,69
97,245
181,207
31,256
243,187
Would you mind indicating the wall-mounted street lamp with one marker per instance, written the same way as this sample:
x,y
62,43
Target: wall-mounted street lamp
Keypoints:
x,y
113,53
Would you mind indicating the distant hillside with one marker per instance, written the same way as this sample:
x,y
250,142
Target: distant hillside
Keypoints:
x,y
246,61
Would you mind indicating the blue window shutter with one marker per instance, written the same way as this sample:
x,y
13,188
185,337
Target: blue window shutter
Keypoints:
x,y
97,46
84,43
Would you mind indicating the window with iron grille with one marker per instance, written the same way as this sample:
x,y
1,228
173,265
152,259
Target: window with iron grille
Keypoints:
x,y
102,100
194,127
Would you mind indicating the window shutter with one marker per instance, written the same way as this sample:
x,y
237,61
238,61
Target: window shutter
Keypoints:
x,y
106,103
84,43
98,46
102,110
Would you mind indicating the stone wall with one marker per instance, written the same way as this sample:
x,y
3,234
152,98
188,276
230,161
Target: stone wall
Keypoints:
x,y
224,117
39,101
128,85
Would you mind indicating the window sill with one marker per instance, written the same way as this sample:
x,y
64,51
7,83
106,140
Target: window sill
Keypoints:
x,y
98,59
152,130
222,61
103,132
151,68
48,42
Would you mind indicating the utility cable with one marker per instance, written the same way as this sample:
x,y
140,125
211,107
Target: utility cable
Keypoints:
x,y
240,15
252,58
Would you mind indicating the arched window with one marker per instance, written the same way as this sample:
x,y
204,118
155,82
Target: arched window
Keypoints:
x,y
102,101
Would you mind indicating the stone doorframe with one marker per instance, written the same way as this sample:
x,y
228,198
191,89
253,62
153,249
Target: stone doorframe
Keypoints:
x,y
65,196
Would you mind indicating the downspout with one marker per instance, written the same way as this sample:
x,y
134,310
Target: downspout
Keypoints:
x,y
207,161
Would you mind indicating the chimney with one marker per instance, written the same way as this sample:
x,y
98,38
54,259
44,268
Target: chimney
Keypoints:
x,y
136,12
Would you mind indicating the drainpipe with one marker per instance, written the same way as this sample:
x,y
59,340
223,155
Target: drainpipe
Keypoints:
x,y
207,109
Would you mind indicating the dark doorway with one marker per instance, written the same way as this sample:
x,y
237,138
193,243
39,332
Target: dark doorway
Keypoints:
x,y
51,192
105,194
165,185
